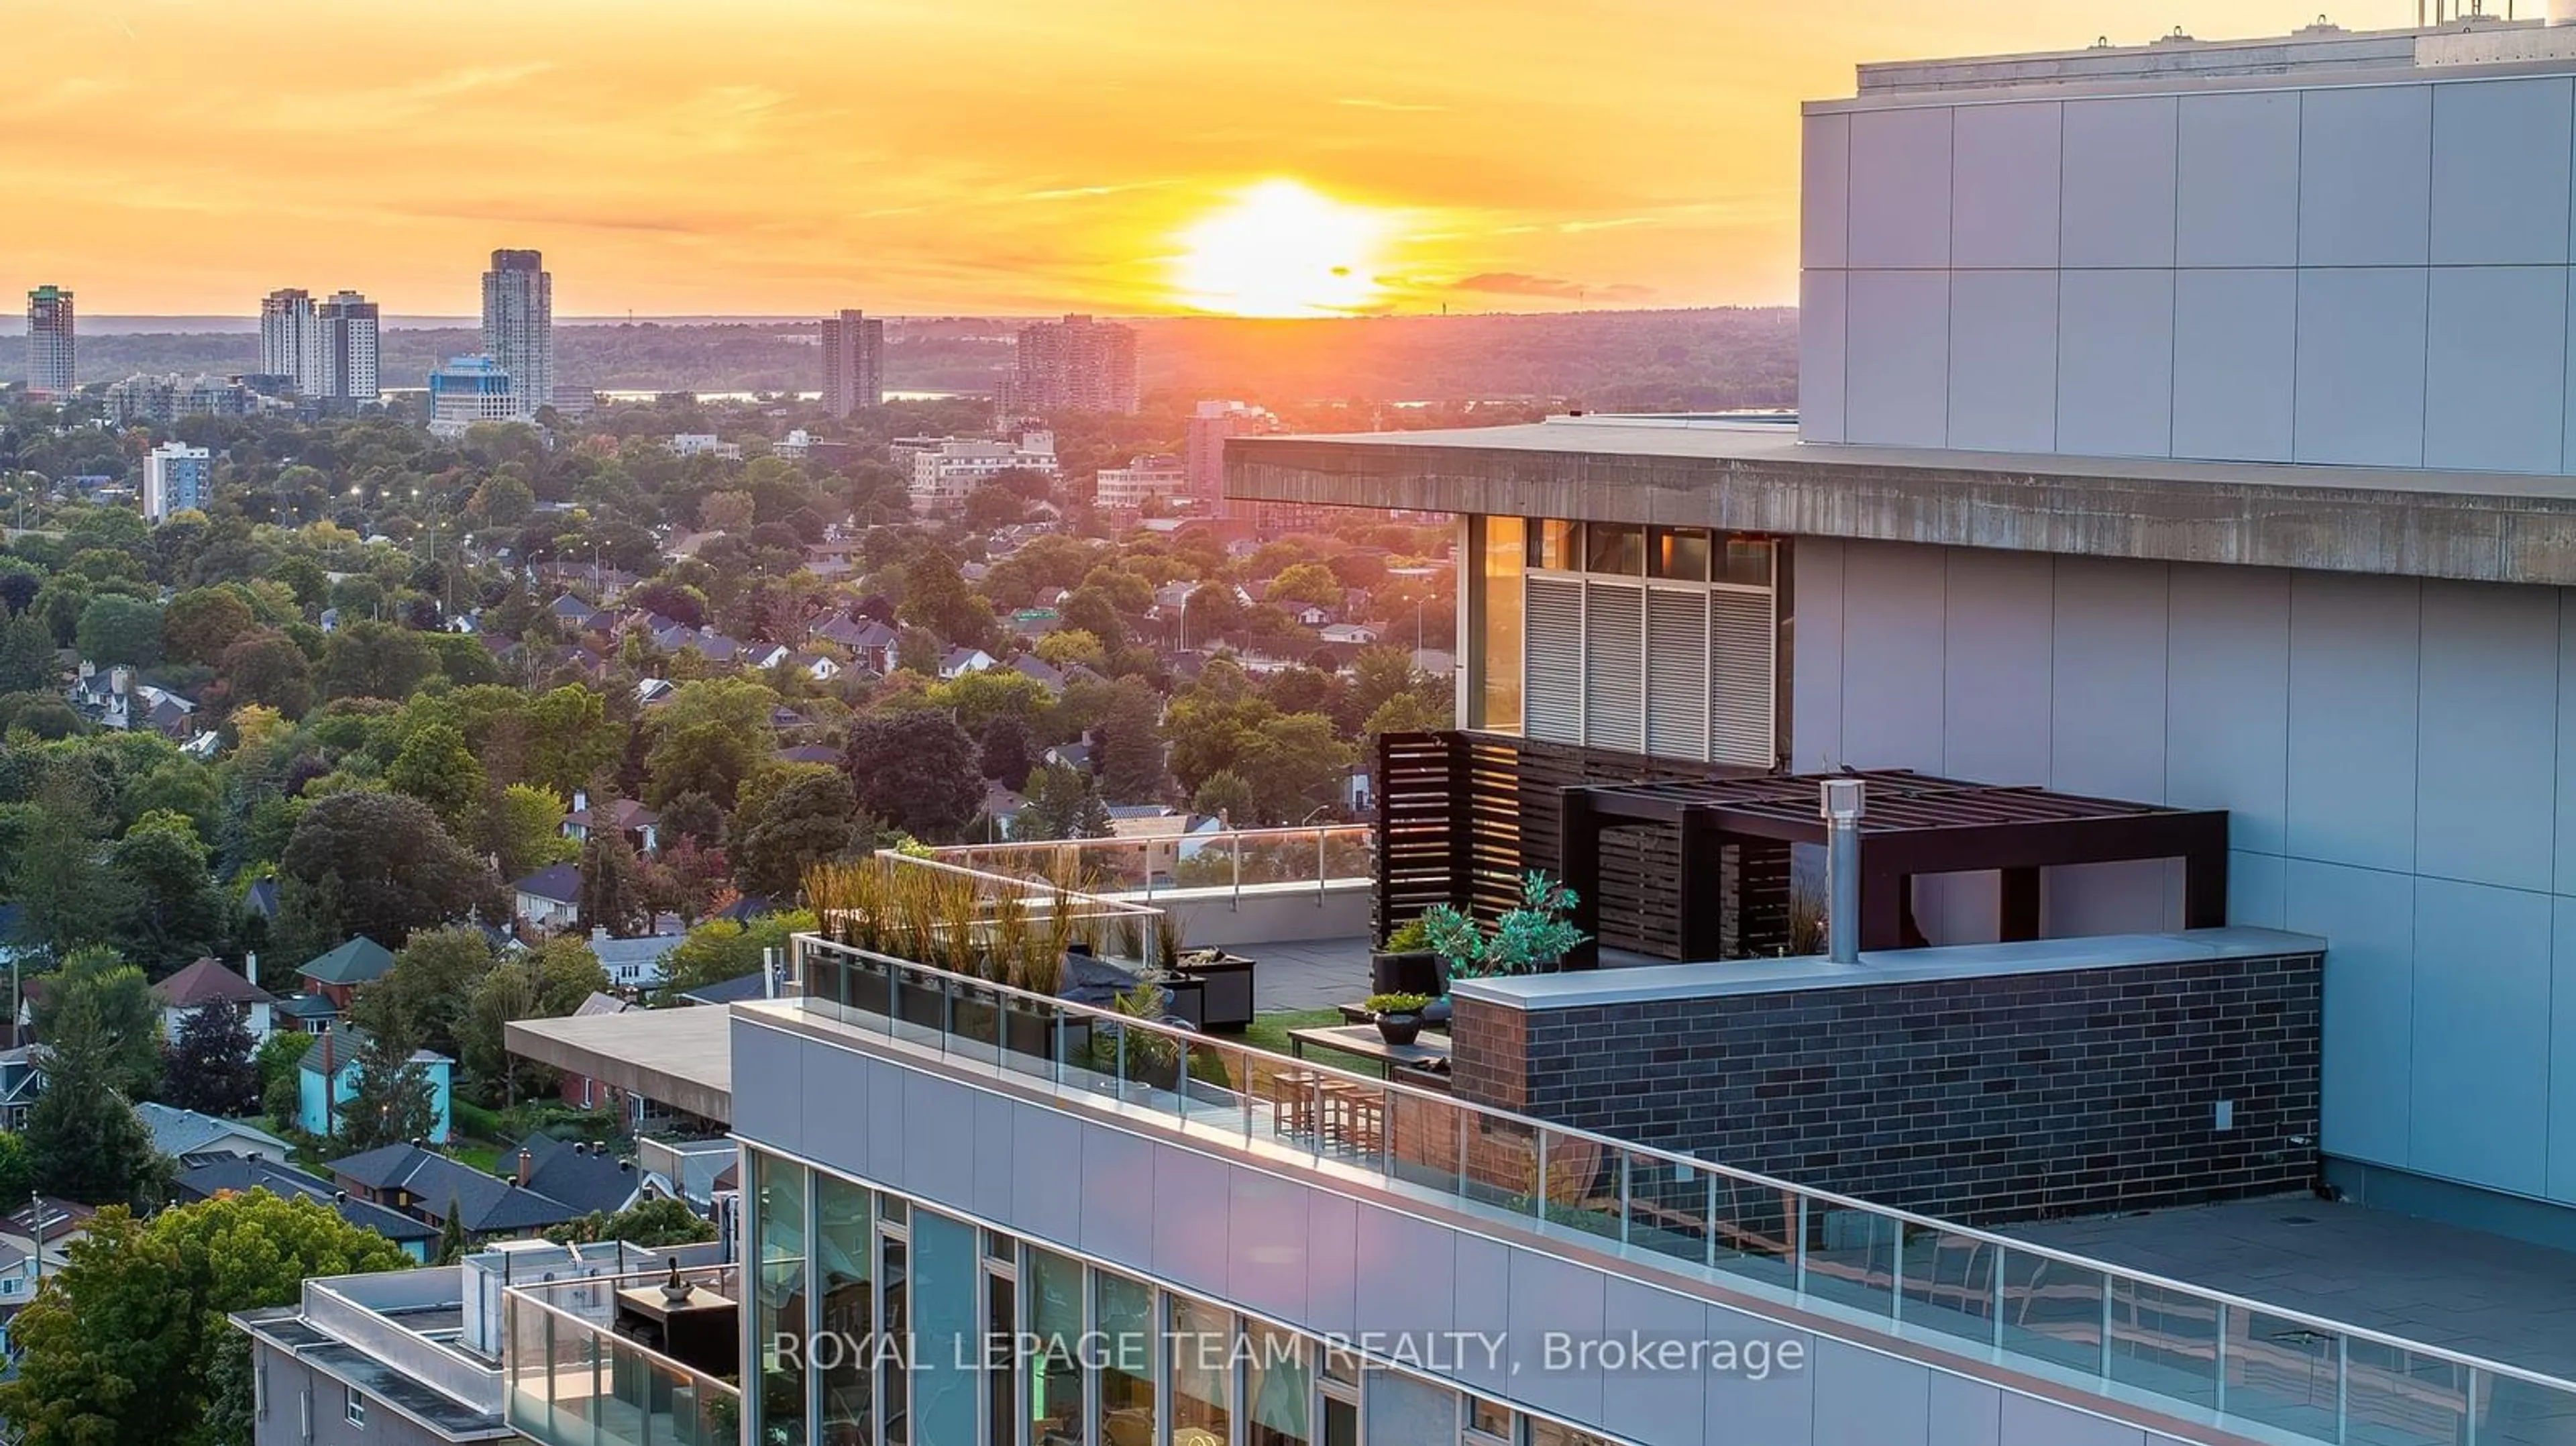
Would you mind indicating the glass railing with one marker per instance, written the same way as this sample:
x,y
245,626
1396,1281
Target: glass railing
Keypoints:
x,y
1230,861
2121,1334
571,1380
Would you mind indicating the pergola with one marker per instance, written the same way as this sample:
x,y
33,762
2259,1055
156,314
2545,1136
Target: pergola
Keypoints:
x,y
1913,824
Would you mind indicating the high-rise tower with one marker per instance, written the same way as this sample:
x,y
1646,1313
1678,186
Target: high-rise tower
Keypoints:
x,y
345,349
51,341
287,337
853,362
519,326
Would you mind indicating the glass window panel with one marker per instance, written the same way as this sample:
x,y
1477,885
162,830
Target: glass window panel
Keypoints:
x,y
1487,1419
1615,547
1681,554
1278,1383
1341,1422
1001,1376
1745,561
844,1239
894,1322
944,1328
1056,1361
1556,545
778,1310
1125,1347
1550,1433
1406,1408
1341,1365
1202,1345
1497,638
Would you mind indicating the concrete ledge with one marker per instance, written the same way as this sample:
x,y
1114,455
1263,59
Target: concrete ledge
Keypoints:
x,y
2474,526
682,1058
1677,982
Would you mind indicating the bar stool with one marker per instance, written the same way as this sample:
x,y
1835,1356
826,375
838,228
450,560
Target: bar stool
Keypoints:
x,y
1292,1103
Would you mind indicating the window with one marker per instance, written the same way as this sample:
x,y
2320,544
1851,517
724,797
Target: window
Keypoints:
x,y
1276,1387
1615,547
1123,1316
1556,545
1680,554
844,1241
1549,1433
777,1197
1408,1408
259,1386
1495,644
1054,1306
357,1408
1202,1345
1488,1424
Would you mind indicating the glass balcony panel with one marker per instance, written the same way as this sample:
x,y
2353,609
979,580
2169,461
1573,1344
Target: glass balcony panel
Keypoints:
x,y
1756,1229
1667,1207
2053,1311
2165,1341
2281,1374
1851,1258
1949,1283
2396,1397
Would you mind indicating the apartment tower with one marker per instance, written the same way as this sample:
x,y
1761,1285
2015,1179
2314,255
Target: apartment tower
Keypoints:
x,y
519,326
345,350
853,362
1075,365
50,341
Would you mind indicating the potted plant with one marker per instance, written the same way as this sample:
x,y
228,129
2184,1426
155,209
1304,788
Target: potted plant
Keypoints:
x,y
1532,938
1399,1016
1407,963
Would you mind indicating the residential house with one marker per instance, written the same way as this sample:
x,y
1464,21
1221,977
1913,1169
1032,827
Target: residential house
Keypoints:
x,y
21,1081
1312,616
336,1056
186,1136
587,1178
548,900
652,692
1045,674
639,824
1348,635
428,1186
635,963
211,981
215,1178
335,976
736,990
816,666
808,753
870,643
961,661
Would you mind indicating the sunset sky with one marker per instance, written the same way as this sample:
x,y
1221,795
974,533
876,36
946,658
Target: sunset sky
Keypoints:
x,y
942,156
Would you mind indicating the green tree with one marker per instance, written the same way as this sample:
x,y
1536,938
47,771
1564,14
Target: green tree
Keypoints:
x,y
652,1223
612,886
1130,753
27,663
312,586
437,768
721,949
117,629
421,1000
376,864
98,1008
976,699
935,597
451,1235
66,895
570,739
1006,753
812,815
17,1167
1226,795
547,982
1307,582
1294,764
391,1100
173,913
279,1056
1070,647
524,831
128,1342
708,758
368,659
916,771
268,669
201,623
1062,803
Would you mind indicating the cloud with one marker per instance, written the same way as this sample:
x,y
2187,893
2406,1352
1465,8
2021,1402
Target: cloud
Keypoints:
x,y
1520,283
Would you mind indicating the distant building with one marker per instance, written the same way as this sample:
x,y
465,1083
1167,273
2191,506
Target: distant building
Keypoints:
x,y
519,326
944,471
327,1079
853,362
1203,449
176,477
1143,479
704,444
210,982
51,342
167,398
1075,365
467,390
345,350
288,336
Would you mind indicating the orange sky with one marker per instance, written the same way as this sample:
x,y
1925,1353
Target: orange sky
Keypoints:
x,y
920,156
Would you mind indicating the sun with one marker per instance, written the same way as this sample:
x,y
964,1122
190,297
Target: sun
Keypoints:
x,y
1281,249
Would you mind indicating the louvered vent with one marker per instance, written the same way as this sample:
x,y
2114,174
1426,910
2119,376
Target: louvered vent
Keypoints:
x,y
1552,666
1677,673
1614,669
1740,688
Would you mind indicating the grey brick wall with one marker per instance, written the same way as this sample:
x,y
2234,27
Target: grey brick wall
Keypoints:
x,y
1980,1100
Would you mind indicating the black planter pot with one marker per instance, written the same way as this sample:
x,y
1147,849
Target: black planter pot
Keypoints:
x,y
1187,998
1398,1028
1412,973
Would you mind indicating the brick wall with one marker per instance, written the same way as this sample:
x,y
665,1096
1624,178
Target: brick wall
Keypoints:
x,y
1982,1099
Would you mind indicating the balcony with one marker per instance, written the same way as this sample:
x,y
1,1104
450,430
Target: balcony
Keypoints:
x,y
2002,1309
577,1375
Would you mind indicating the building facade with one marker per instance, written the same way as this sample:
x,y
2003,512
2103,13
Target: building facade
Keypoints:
x,y
471,389
289,337
1203,449
1074,365
176,478
519,327
1142,482
346,350
167,398
52,342
853,362
946,470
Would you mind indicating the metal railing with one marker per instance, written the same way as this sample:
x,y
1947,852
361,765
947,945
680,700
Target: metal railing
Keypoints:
x,y
570,1380
1181,863
2123,1334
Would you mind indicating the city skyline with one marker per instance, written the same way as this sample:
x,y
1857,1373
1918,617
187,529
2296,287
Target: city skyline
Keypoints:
x,y
1535,159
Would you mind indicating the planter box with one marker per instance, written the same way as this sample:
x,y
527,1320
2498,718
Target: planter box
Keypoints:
x,y
1186,998
1415,973
1228,990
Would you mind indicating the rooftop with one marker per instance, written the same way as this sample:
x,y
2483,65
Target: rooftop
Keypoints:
x,y
360,961
682,1058
206,982
1756,476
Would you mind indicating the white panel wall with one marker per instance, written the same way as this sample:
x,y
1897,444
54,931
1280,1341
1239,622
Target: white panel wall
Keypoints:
x,y
1820,355
2339,275
2398,760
